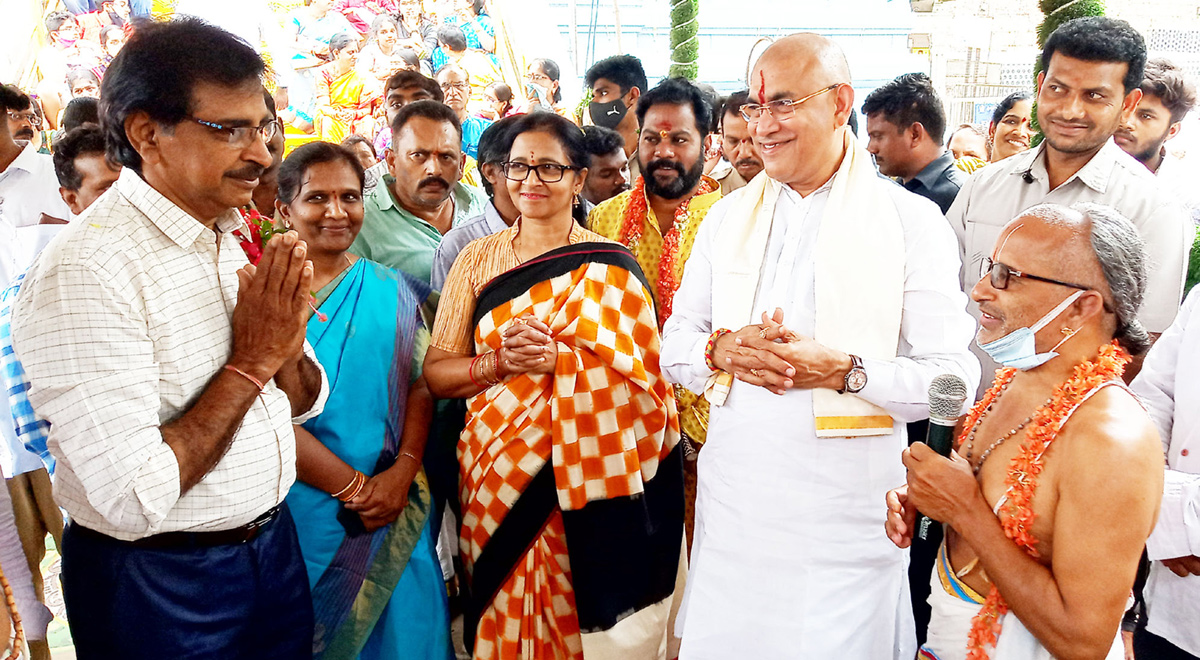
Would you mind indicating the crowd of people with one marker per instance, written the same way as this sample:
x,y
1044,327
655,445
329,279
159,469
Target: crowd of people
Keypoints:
x,y
655,386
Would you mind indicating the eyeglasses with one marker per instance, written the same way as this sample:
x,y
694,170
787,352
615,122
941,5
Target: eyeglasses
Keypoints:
x,y
462,87
32,117
546,172
537,77
780,109
243,136
1000,274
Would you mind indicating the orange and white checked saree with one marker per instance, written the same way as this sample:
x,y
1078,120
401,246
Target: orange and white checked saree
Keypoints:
x,y
571,483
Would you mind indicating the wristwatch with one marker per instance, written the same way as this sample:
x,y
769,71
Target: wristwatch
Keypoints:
x,y
856,378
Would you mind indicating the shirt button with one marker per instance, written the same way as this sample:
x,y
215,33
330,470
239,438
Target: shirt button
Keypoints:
x,y
1183,453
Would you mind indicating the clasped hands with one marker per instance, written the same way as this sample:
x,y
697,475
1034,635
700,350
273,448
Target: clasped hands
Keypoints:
x,y
271,314
527,347
771,356
385,495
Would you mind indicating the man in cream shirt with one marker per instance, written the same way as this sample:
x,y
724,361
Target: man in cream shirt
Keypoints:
x,y
789,560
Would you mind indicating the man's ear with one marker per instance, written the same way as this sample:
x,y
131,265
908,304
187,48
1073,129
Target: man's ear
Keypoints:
x,y
1131,103
145,136
1174,129
71,197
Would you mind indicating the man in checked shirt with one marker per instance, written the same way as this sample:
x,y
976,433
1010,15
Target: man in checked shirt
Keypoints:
x,y
171,371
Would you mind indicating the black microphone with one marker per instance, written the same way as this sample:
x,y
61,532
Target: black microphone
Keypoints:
x,y
947,393
1027,176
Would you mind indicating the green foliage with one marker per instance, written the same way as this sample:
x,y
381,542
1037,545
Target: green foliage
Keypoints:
x,y
1193,271
685,44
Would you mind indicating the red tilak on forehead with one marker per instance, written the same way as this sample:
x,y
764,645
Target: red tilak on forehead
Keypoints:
x,y
762,87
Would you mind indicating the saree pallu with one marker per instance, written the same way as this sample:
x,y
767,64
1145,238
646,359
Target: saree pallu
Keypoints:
x,y
350,91
571,482
375,594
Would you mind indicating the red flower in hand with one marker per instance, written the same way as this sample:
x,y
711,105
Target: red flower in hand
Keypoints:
x,y
253,240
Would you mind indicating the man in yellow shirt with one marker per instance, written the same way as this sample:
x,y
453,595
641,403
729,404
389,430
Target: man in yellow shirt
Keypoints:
x,y
657,219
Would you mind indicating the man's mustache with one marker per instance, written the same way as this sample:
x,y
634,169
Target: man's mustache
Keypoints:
x,y
663,163
433,180
252,171
747,162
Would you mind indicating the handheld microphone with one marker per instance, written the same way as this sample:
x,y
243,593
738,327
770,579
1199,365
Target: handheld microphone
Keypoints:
x,y
1027,176
947,394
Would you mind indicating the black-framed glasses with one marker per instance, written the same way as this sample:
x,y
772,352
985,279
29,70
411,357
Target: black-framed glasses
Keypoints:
x,y
546,172
780,108
33,118
462,86
1000,274
242,136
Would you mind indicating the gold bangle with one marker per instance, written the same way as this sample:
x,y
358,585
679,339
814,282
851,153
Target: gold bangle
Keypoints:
x,y
362,481
353,480
411,455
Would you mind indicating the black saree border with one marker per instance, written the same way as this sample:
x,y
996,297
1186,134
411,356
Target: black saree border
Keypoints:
x,y
560,261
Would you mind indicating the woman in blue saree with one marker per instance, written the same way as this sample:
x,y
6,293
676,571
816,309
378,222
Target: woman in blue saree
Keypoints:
x,y
362,500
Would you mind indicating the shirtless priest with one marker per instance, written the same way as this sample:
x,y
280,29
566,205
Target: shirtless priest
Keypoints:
x,y
1058,475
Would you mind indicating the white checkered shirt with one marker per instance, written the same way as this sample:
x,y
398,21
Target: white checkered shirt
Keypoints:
x,y
121,324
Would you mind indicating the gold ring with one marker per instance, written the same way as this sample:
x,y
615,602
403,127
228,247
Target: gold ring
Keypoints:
x,y
756,373
762,333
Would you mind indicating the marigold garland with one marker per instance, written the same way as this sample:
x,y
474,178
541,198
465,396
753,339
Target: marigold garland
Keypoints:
x,y
631,235
1017,516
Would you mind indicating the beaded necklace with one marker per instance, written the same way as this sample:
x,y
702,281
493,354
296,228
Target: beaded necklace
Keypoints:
x,y
1017,515
631,235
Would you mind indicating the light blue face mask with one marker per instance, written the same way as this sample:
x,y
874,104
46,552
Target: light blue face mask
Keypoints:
x,y
1018,348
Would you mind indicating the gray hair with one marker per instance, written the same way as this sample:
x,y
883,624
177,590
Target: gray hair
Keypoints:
x,y
1122,256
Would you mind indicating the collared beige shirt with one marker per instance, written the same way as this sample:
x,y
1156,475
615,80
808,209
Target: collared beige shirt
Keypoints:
x,y
121,324
997,193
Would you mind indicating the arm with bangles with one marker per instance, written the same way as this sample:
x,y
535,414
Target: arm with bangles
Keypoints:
x,y
527,348
379,500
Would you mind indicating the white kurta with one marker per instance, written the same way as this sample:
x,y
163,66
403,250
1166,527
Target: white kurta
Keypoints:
x,y
1170,375
789,558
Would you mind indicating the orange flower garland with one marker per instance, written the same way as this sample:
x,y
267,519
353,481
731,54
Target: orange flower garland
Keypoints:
x,y
1017,516
631,234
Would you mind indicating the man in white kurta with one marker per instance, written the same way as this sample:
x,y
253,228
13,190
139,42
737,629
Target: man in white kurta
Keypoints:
x,y
790,560
1168,383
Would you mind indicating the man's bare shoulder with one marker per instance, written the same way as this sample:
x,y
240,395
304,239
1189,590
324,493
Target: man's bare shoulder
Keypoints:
x,y
1111,433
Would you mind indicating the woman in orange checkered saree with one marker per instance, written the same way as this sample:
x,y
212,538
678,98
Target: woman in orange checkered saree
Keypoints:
x,y
571,479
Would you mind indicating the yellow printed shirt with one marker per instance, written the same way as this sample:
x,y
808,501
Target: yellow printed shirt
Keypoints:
x,y
608,220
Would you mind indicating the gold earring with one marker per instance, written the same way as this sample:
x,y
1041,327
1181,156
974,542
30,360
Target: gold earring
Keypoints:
x,y
1067,331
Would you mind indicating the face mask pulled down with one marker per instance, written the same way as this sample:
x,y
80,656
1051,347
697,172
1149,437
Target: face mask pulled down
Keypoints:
x,y
1018,348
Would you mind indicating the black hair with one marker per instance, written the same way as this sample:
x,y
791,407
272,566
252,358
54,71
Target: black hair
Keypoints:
x,y
410,57
477,7
1100,39
109,28
406,79
1169,84
269,99
453,37
78,72
55,20
291,171
550,68
733,104
1009,101
339,42
79,111
624,70
569,136
79,141
678,91
494,145
157,71
504,95
12,98
852,122
354,139
601,141
907,100
428,109
379,22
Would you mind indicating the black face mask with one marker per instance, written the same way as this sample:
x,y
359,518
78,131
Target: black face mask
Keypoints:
x,y
608,115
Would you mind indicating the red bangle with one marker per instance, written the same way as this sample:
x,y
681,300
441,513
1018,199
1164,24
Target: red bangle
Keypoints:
x,y
257,383
711,347
471,372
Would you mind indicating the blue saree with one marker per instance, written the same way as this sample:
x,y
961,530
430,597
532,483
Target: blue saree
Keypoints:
x,y
376,594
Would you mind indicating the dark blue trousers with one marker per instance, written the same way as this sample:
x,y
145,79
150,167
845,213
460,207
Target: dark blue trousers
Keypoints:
x,y
249,600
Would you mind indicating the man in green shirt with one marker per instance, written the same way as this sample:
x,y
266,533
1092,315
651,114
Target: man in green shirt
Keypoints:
x,y
421,198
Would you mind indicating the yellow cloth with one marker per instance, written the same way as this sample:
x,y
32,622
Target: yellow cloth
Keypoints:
x,y
350,92
608,220
969,164
470,175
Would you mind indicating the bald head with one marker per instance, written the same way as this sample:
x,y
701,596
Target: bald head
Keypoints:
x,y
814,58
